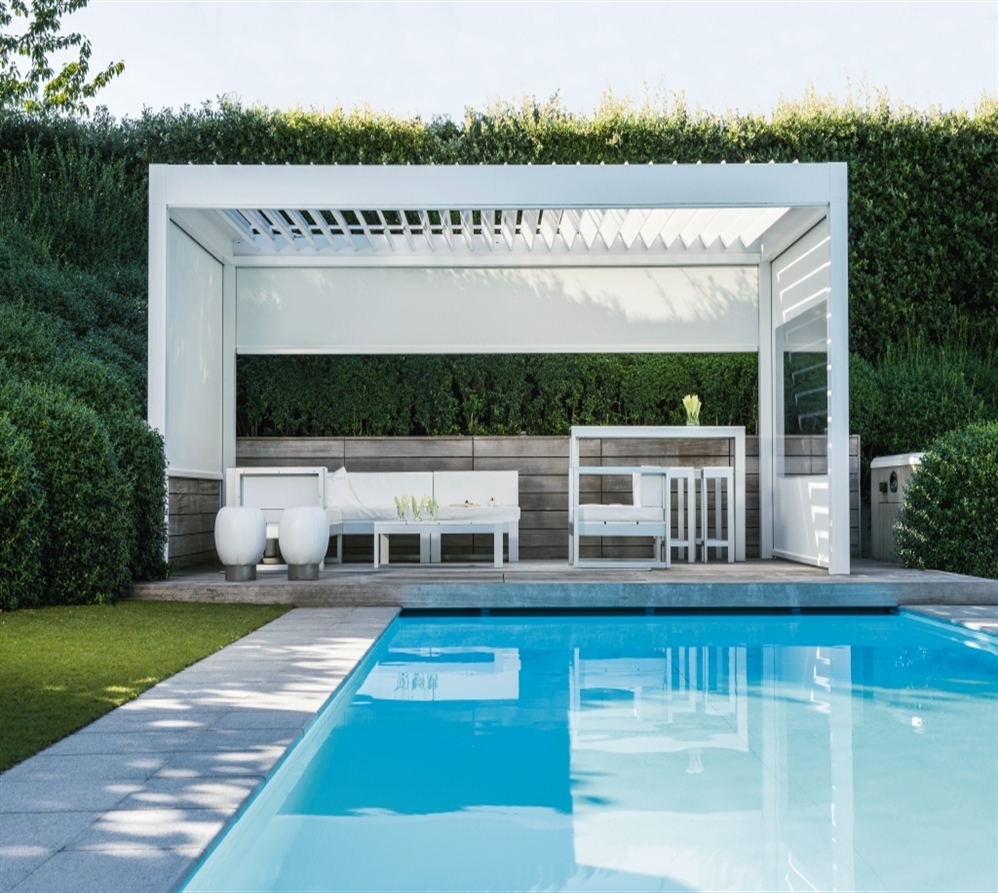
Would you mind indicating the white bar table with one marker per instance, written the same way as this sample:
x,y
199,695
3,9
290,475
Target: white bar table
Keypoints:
x,y
671,432
384,528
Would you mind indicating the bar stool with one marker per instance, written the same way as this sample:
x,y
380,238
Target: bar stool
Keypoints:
x,y
646,491
718,474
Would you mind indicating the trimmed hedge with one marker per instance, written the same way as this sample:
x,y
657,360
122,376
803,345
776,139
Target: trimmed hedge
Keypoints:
x,y
88,496
24,522
38,347
311,396
950,512
914,395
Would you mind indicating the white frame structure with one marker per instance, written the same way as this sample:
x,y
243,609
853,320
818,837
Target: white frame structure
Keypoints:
x,y
734,433
209,225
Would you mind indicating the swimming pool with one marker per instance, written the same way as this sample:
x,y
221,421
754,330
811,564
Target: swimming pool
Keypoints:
x,y
639,753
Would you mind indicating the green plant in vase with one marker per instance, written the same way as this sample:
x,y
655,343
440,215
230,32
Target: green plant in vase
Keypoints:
x,y
692,405
402,505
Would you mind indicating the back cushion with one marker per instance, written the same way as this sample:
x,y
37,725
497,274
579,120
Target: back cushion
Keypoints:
x,y
381,488
457,487
646,490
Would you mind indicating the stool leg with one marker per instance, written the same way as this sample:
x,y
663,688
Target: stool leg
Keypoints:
x,y
691,518
679,516
703,512
717,516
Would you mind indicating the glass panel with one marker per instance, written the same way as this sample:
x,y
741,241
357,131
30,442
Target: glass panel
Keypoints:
x,y
802,391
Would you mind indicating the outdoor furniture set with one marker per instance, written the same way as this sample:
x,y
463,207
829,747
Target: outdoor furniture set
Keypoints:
x,y
652,486
303,507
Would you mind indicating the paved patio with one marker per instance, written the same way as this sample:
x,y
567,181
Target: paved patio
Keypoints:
x,y
557,585
130,802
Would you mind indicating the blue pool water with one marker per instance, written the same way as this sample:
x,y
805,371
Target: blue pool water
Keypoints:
x,y
639,753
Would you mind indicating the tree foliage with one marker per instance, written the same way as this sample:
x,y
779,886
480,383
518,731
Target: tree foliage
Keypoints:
x,y
27,80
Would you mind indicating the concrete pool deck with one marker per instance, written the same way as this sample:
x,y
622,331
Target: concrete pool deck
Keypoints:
x,y
132,801
772,584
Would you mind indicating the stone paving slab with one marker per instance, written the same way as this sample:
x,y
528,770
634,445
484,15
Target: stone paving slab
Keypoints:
x,y
131,802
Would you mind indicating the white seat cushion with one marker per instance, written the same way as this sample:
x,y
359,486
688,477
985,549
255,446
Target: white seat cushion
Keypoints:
x,y
504,513
618,513
372,513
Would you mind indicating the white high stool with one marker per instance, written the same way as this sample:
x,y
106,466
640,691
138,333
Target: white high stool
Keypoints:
x,y
686,508
717,475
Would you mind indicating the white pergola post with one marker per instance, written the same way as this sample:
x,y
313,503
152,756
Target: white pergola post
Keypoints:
x,y
838,370
766,391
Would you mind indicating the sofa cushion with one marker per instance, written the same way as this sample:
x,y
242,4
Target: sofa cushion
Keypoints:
x,y
372,513
338,489
503,513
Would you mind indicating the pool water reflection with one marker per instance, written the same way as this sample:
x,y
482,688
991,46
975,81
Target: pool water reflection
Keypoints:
x,y
640,753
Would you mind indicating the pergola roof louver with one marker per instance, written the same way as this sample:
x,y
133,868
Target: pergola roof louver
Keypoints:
x,y
507,231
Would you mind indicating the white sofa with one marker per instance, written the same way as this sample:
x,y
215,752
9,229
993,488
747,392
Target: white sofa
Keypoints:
x,y
355,501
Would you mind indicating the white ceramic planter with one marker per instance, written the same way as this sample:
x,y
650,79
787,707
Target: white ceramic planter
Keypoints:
x,y
304,537
240,537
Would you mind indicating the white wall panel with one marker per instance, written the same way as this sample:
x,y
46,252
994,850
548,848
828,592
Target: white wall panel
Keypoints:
x,y
802,274
409,310
801,516
194,366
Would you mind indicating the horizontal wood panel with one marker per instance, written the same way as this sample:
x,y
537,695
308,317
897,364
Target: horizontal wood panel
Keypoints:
x,y
407,447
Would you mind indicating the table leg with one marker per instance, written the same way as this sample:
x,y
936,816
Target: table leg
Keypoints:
x,y
377,542
497,545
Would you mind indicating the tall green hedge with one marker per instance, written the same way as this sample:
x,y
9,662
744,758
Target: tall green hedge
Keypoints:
x,y
505,394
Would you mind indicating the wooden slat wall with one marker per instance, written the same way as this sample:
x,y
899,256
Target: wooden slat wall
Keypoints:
x,y
543,466
194,502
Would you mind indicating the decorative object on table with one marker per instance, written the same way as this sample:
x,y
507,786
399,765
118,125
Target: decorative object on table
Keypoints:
x,y
240,538
402,506
434,508
692,404
303,534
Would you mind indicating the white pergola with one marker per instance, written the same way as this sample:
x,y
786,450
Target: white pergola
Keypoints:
x,y
491,259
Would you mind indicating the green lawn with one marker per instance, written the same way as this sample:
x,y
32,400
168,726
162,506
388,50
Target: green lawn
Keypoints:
x,y
62,667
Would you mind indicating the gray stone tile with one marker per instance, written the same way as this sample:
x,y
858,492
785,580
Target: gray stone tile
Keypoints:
x,y
123,871
243,740
59,768
63,796
151,827
224,794
154,720
217,765
27,840
126,742
251,718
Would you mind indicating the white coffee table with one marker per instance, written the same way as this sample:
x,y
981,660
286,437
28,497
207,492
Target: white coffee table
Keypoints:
x,y
385,528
